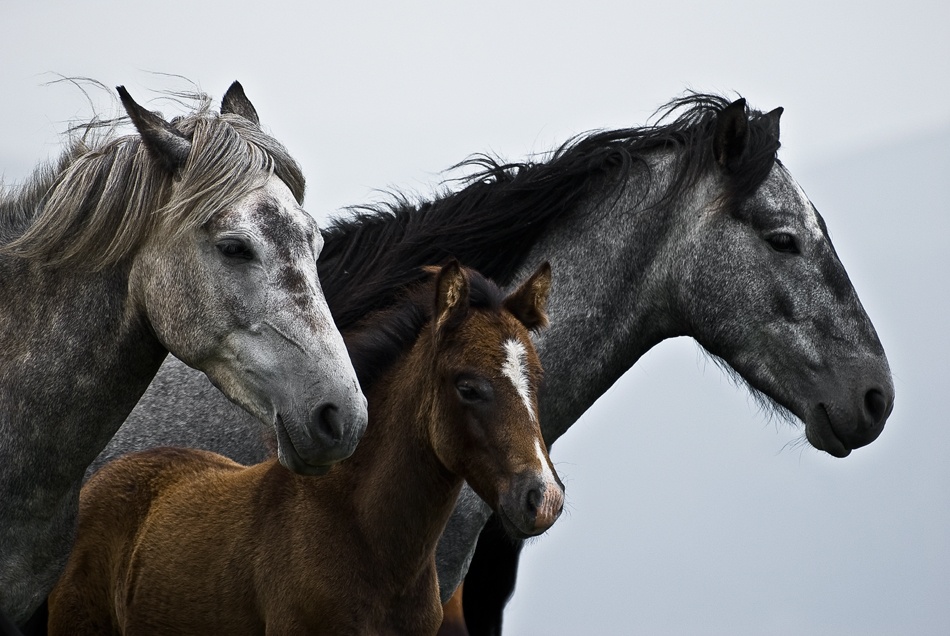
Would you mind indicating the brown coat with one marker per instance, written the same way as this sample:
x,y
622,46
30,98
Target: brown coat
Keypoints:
x,y
176,541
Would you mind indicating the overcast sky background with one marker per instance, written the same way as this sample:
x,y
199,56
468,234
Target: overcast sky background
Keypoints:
x,y
688,510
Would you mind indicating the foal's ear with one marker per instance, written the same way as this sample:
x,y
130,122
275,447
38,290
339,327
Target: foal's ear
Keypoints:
x,y
451,296
731,135
237,103
168,146
529,302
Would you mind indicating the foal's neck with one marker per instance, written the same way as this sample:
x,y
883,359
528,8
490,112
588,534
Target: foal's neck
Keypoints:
x,y
397,480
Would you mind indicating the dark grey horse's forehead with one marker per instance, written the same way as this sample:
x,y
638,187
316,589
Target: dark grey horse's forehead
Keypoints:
x,y
780,201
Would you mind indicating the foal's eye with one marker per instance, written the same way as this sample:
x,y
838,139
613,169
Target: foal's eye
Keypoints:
x,y
473,389
236,249
468,392
783,242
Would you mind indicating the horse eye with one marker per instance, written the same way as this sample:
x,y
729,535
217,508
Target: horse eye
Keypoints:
x,y
783,242
473,389
467,392
236,249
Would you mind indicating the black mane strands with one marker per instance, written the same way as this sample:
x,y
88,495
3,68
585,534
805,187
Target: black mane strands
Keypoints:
x,y
503,208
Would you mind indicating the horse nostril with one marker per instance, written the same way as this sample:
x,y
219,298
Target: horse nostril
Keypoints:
x,y
326,420
876,405
533,501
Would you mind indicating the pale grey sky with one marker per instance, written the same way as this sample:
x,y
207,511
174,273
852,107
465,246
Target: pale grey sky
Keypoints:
x,y
724,524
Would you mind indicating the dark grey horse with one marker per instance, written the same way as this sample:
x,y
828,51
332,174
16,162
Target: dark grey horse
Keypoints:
x,y
187,237
687,227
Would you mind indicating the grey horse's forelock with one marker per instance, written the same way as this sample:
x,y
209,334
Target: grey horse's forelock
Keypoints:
x,y
107,194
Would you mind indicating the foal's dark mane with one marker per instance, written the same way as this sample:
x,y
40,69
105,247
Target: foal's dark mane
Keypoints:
x,y
491,223
377,340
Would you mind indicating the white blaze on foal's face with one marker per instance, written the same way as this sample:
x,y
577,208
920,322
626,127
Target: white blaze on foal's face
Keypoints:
x,y
514,368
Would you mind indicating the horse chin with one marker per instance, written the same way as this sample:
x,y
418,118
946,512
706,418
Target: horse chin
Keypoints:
x,y
288,456
821,434
512,529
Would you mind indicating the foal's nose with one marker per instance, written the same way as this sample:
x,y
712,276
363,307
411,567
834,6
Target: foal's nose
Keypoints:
x,y
544,503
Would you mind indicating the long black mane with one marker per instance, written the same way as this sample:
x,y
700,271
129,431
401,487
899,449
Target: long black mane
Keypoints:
x,y
491,223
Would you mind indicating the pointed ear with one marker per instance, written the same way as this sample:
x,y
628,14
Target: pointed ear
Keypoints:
x,y
168,146
451,296
529,302
731,135
774,117
237,103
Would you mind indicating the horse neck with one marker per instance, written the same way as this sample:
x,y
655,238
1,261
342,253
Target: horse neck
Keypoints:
x,y
611,301
395,478
76,359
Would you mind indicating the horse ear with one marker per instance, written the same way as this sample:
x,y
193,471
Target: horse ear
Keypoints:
x,y
529,302
168,146
774,117
451,296
237,103
731,135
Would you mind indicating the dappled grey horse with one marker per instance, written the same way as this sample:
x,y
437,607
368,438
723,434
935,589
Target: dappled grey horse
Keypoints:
x,y
688,227
186,237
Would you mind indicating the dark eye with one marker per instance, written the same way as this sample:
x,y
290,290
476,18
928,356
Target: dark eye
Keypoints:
x,y
236,249
783,242
473,390
468,392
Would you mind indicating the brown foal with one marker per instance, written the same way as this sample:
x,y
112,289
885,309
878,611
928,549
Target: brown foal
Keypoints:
x,y
181,541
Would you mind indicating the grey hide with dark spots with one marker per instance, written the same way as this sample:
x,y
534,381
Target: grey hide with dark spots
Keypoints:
x,y
88,315
691,228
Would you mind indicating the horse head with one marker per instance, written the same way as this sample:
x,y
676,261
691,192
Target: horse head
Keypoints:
x,y
235,293
759,285
486,425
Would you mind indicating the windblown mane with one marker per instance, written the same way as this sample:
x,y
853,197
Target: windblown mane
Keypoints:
x,y
491,223
107,194
377,340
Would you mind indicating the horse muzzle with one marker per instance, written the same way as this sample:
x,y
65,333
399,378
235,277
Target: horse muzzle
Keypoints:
x,y
329,433
531,505
839,429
